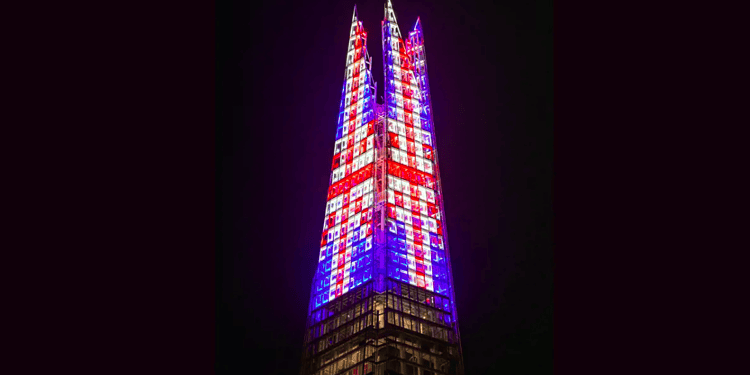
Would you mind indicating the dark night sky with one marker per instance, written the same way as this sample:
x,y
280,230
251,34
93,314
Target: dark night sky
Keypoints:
x,y
280,69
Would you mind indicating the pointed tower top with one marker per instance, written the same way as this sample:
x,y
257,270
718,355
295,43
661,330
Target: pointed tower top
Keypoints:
x,y
354,15
418,25
390,15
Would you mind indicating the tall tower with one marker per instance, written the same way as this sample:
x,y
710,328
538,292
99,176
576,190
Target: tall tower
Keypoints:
x,y
382,300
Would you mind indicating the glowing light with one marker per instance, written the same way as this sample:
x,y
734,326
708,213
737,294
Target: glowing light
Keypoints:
x,y
346,240
415,246
413,216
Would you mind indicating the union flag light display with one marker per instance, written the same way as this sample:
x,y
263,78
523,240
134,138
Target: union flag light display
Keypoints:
x,y
416,242
346,243
382,297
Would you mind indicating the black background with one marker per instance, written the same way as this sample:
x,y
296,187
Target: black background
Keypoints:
x,y
279,74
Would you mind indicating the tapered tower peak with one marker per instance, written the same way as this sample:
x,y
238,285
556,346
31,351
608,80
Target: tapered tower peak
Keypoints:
x,y
390,15
382,295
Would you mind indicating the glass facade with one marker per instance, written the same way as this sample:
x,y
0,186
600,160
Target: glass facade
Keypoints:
x,y
417,249
382,298
346,243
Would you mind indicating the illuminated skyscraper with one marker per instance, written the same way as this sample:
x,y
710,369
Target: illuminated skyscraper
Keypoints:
x,y
382,299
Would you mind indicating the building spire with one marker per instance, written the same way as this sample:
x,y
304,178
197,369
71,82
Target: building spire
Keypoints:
x,y
354,15
390,15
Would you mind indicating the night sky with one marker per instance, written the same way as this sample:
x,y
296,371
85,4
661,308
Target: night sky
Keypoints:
x,y
280,68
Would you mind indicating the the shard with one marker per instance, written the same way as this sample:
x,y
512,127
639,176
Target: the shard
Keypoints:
x,y
382,298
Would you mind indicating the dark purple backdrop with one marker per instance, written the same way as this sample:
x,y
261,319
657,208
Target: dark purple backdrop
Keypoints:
x,y
279,75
